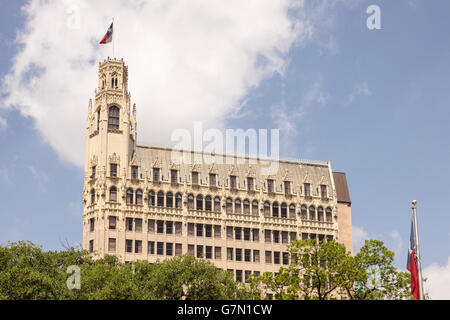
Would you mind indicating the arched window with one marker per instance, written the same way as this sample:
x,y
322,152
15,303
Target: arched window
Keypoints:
x,y
113,118
275,212
190,201
328,213
92,196
130,196
237,206
246,206
169,200
320,214
138,196
304,212
113,194
255,208
284,210
292,211
151,198
160,199
208,203
217,204
312,213
266,209
199,202
178,200
229,206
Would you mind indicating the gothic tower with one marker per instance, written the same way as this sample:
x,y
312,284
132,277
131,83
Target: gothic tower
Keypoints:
x,y
110,140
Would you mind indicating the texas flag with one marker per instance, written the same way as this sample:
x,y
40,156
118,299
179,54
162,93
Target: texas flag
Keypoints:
x,y
412,264
107,38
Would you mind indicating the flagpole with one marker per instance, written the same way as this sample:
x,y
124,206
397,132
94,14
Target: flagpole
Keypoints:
x,y
419,262
113,37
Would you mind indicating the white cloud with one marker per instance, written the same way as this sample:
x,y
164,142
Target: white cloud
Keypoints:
x,y
188,60
438,281
359,235
359,89
3,123
40,176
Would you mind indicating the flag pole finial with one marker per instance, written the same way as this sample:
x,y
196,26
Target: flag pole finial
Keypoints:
x,y
414,202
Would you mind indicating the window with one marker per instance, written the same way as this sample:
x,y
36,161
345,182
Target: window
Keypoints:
x,y
284,210
199,230
159,226
160,199
293,236
247,274
247,234
208,230
208,252
250,184
151,247
190,201
191,248
285,258
169,199
129,224
323,191
255,235
92,196
151,226
307,188
98,120
91,224
229,206
230,254
284,237
151,198
138,246
93,169
113,194
237,233
218,253
129,246
268,256
156,176
276,236
113,118
199,251
238,254
312,213
237,206
160,248
321,238
275,212
239,275
134,172
169,227
287,187
138,196
256,256
113,170
329,238
111,245
179,228
130,196
270,185
229,233
212,180
208,203
247,255
328,215
246,206
178,200
191,229
292,211
138,225
276,257
266,209
267,236
217,204
173,176
112,222
91,245
255,208
304,236
169,249
178,249
319,214
303,212
194,178
233,182
199,202
217,232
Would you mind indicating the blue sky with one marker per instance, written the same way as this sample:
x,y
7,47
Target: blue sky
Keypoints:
x,y
374,102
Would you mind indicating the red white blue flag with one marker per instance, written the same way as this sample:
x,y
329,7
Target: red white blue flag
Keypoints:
x,y
107,38
412,263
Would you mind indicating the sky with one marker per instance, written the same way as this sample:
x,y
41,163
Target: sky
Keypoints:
x,y
373,101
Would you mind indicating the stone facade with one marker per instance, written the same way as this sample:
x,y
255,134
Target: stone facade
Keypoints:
x,y
142,204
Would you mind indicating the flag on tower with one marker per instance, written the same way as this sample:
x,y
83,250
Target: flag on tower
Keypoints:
x,y
412,263
107,38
